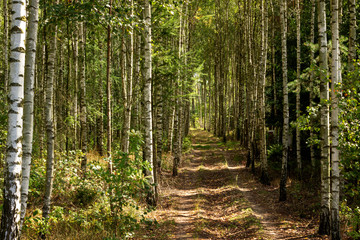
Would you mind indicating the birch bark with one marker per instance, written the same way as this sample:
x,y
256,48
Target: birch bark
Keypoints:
x,y
285,137
148,151
49,120
335,153
31,41
10,220
352,34
324,227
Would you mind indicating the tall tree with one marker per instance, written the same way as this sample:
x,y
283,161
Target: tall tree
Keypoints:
x,y
83,109
108,89
6,45
10,219
352,34
262,80
31,41
324,227
335,153
311,95
148,151
128,88
285,137
49,120
298,85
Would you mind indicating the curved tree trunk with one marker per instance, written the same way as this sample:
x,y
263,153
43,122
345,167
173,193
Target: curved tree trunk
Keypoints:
x,y
31,41
10,220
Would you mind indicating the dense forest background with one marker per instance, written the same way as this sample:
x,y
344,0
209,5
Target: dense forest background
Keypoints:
x,y
112,89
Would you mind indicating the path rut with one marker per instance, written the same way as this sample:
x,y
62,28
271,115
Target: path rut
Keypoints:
x,y
215,197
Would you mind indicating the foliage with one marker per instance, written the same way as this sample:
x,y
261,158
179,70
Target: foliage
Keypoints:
x,y
126,185
349,141
187,146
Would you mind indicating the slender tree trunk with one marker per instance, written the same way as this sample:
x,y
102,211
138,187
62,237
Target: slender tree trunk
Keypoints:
x,y
148,151
83,110
335,153
298,86
49,116
108,91
352,34
324,227
129,91
285,138
31,41
312,65
10,220
159,128
264,37
6,45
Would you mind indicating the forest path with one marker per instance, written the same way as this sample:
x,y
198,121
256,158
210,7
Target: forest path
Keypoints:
x,y
215,197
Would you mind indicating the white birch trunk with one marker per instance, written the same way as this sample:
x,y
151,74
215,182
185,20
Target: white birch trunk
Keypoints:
x,y
10,220
83,109
324,227
352,34
49,120
264,37
335,153
31,41
148,151
312,62
6,45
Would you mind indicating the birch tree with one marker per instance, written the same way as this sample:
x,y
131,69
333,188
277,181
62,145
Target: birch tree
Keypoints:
x,y
108,90
352,34
10,220
311,95
148,149
264,41
49,121
324,227
335,153
6,45
128,86
83,109
31,41
285,137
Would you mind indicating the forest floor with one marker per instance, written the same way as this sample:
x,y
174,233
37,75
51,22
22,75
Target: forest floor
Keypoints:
x,y
216,197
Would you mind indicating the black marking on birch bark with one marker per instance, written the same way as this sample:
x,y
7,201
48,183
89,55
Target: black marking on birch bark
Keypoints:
x,y
12,111
18,49
21,2
19,139
14,84
14,60
16,29
11,149
22,18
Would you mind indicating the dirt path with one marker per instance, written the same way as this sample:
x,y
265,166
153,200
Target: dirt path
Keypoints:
x,y
215,197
